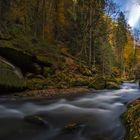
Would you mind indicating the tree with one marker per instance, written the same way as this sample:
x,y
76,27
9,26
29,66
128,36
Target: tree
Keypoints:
x,y
120,39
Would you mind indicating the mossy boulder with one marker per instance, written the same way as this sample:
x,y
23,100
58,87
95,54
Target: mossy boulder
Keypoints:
x,y
10,82
102,83
72,79
119,81
131,120
98,83
19,58
44,60
79,82
112,85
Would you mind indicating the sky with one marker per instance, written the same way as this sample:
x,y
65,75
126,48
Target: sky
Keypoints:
x,y
132,11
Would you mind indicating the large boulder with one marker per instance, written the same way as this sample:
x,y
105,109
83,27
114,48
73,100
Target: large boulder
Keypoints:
x,y
19,58
102,83
112,85
98,83
10,82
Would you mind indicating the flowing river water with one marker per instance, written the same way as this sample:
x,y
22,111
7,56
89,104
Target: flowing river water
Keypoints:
x,y
94,116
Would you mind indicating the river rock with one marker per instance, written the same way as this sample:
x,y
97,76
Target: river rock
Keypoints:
x,y
72,127
37,120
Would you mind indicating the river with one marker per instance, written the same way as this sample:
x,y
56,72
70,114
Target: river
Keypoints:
x,y
94,116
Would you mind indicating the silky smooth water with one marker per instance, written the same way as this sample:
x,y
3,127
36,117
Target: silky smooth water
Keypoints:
x,y
96,116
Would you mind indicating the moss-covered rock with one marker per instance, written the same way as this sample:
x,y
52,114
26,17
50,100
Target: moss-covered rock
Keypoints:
x,y
112,85
19,58
69,79
44,61
99,83
79,82
10,82
102,83
131,119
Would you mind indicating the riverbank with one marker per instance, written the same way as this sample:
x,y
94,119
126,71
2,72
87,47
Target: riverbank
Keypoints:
x,y
64,91
131,120
53,93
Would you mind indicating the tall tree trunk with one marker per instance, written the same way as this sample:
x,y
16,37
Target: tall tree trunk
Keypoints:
x,y
90,36
43,18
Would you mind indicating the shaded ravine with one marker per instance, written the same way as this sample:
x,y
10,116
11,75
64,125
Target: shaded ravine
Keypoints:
x,y
93,116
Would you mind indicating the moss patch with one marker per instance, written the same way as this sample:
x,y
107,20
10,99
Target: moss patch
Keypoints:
x,y
132,121
10,82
